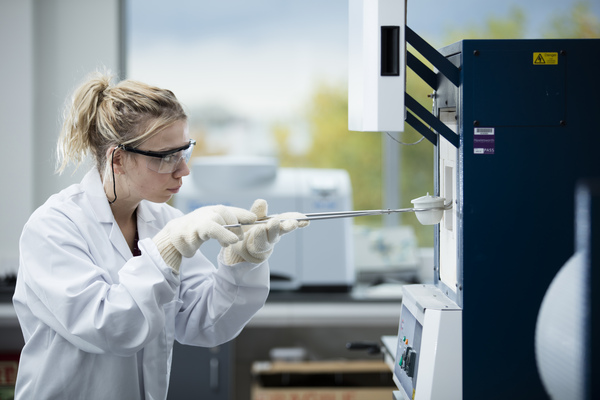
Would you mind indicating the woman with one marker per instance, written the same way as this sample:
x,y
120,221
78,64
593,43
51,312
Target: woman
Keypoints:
x,y
110,275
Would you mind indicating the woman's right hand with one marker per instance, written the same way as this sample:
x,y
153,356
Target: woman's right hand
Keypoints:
x,y
184,235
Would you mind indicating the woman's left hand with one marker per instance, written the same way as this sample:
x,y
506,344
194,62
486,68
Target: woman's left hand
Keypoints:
x,y
260,239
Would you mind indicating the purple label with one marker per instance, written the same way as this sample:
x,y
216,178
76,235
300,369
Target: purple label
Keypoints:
x,y
484,141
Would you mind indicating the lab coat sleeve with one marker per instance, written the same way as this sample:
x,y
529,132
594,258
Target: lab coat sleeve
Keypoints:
x,y
69,291
218,303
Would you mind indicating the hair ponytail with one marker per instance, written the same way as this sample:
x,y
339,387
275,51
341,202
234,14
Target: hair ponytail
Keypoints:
x,y
79,130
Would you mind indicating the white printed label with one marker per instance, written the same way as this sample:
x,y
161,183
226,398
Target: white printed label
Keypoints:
x,y
484,131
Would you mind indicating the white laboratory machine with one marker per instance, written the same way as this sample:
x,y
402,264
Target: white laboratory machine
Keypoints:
x,y
317,258
514,129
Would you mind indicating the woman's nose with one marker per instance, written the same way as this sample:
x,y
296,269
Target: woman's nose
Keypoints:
x,y
182,169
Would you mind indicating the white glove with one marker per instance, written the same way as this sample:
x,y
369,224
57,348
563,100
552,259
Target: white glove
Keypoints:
x,y
184,235
259,239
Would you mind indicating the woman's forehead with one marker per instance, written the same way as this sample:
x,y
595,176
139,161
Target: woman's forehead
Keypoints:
x,y
172,137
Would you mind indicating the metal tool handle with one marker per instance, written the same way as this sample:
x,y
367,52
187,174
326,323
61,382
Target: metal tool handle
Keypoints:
x,y
346,214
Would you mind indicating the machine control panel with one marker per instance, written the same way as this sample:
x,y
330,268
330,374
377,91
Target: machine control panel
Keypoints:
x,y
407,356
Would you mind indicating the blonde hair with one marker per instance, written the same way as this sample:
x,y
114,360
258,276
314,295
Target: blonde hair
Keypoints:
x,y
102,115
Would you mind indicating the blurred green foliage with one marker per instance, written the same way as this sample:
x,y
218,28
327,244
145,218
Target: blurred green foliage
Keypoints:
x,y
581,23
333,146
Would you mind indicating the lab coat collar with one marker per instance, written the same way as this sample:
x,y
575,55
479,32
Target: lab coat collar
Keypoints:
x,y
144,213
92,186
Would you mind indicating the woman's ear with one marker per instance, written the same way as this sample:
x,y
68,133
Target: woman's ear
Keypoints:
x,y
115,158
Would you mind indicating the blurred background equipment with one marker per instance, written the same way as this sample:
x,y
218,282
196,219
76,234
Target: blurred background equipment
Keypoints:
x,y
318,258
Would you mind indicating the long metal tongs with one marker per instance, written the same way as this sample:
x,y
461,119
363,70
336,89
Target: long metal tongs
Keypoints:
x,y
347,214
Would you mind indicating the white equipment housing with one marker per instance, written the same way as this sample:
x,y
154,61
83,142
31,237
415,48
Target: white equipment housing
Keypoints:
x,y
428,364
376,65
316,258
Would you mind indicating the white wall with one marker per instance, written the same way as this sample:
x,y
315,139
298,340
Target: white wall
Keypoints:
x,y
47,47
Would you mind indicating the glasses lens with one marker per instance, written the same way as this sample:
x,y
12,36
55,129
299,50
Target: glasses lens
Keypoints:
x,y
171,162
154,163
187,154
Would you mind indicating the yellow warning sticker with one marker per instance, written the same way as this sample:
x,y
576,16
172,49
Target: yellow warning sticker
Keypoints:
x,y
545,58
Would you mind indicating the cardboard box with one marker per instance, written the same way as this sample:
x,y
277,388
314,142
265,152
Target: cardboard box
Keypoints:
x,y
331,380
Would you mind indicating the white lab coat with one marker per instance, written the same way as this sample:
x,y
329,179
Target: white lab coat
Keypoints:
x,y
99,323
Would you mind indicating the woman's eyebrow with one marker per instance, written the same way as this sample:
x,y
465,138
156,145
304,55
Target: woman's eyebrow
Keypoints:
x,y
167,149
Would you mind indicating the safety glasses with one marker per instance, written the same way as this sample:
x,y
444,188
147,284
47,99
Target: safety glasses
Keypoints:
x,y
164,162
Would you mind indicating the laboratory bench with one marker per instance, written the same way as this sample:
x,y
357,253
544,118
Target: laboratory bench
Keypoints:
x,y
371,304
319,323
374,305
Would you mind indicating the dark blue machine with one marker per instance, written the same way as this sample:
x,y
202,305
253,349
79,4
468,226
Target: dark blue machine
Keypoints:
x,y
528,130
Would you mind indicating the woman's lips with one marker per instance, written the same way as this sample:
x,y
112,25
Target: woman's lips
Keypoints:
x,y
174,190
